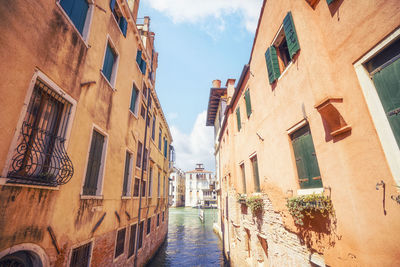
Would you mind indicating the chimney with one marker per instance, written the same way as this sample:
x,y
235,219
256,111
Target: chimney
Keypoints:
x,y
230,88
146,24
216,84
134,7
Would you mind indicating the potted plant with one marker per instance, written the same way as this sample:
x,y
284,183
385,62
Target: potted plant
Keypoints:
x,y
241,198
255,203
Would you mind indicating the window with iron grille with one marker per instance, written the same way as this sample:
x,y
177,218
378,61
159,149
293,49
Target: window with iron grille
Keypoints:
x,y
81,256
40,157
120,242
148,226
143,188
140,234
136,187
94,164
132,240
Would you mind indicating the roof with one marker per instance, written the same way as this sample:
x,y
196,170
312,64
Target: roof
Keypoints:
x,y
213,103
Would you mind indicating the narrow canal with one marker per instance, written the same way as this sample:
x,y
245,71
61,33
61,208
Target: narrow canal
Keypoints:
x,y
190,242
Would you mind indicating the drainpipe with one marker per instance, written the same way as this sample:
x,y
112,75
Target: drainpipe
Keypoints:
x,y
142,175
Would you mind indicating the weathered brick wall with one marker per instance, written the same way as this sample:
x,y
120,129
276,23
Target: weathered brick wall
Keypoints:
x,y
271,244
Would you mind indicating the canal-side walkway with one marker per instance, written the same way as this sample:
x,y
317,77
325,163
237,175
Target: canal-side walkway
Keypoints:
x,y
190,242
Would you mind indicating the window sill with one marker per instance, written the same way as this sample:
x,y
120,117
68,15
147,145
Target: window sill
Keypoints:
x,y
133,114
309,191
3,182
108,82
285,70
92,197
126,197
72,24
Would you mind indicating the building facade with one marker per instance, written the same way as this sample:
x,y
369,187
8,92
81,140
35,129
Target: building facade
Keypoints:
x,y
85,146
200,188
177,187
310,134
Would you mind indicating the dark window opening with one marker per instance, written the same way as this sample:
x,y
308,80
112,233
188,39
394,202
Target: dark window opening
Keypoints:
x,y
81,256
132,240
136,187
148,226
120,242
140,234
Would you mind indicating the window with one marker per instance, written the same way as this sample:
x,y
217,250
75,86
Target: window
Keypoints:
x,y
141,62
120,242
164,189
150,181
148,226
158,219
242,171
256,178
306,159
110,64
159,139
40,156
165,147
81,256
119,18
158,186
153,130
248,102
141,228
282,51
77,11
143,112
145,159
145,91
143,188
136,187
126,189
139,155
163,216
95,164
132,240
239,125
134,100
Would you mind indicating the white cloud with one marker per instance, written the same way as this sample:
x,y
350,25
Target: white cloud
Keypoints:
x,y
172,116
195,11
196,147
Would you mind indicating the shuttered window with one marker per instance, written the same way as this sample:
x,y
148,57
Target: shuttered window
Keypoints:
x,y
134,96
94,164
248,102
139,57
329,1
306,159
239,125
271,59
120,242
122,23
81,256
256,177
148,225
132,240
109,61
127,174
150,182
139,155
143,66
153,129
242,171
165,147
140,234
159,139
291,35
76,11
141,62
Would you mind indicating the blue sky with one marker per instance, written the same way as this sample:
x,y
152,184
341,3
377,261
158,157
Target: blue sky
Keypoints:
x,y
197,42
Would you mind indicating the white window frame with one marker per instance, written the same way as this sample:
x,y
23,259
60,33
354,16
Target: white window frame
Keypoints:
x,y
100,179
379,119
114,72
88,22
81,244
43,77
130,174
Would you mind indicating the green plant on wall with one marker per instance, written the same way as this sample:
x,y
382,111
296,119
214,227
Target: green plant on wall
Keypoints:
x,y
307,205
241,198
255,203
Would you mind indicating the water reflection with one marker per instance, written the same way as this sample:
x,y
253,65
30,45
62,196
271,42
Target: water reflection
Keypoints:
x,y
190,242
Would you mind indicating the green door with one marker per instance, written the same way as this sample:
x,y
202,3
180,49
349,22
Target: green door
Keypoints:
x,y
387,84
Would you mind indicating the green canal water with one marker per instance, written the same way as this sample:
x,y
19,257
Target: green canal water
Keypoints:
x,y
190,242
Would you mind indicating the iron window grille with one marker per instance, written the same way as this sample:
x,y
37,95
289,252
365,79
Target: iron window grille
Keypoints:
x,y
132,239
120,245
81,256
40,157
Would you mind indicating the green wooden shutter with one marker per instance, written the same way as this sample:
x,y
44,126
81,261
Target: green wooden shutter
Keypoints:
x,y
239,125
306,159
126,173
139,57
248,102
256,175
94,163
112,5
329,1
291,36
123,24
133,99
271,59
387,84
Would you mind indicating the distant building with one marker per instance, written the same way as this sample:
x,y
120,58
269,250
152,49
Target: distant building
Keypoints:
x,y
177,187
200,188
